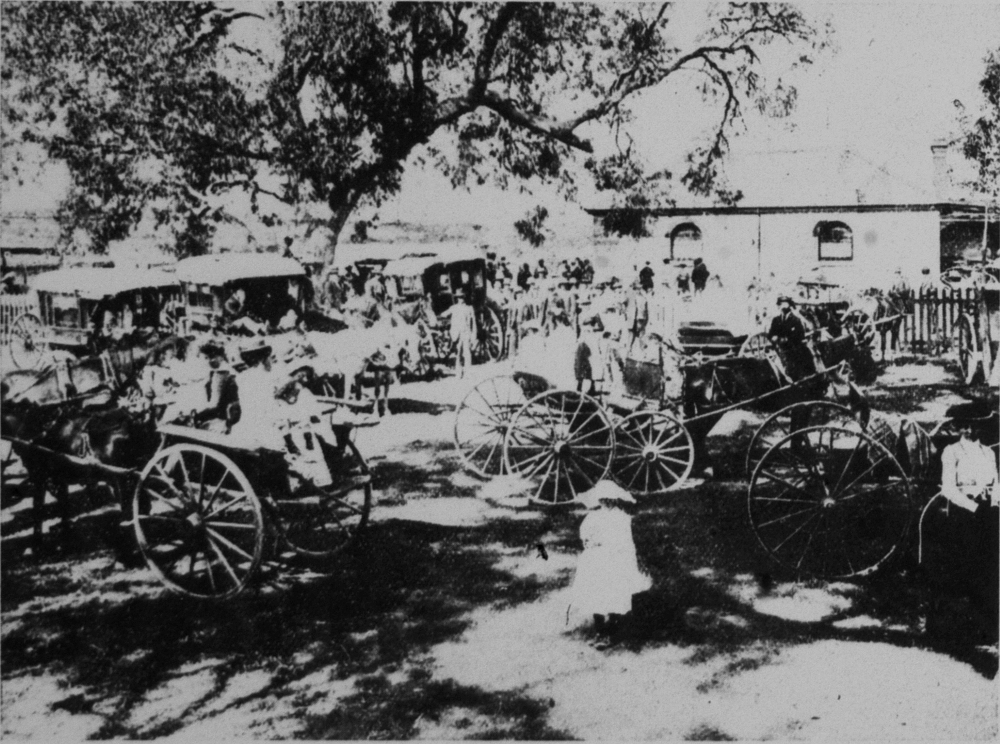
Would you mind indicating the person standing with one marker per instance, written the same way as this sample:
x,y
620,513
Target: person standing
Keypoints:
x,y
699,275
524,277
646,278
607,571
462,332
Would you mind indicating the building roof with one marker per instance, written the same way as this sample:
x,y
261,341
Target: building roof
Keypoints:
x,y
28,231
218,269
95,284
829,177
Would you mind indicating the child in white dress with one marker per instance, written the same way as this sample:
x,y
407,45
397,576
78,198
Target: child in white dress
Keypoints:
x,y
607,572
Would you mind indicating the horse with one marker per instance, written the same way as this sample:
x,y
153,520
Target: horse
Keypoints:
x,y
62,427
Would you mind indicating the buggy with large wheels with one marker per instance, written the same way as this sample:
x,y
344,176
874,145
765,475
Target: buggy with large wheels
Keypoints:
x,y
82,311
827,494
208,508
977,330
428,283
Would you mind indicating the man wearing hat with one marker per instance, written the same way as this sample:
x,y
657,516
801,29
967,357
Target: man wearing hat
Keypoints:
x,y
788,334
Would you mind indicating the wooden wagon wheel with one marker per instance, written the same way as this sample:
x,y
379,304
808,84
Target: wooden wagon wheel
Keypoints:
x,y
198,522
778,425
329,520
27,347
562,439
969,353
481,422
488,346
654,453
830,502
757,346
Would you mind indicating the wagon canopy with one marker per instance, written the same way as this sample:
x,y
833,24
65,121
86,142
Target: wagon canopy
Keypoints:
x,y
96,284
217,270
420,258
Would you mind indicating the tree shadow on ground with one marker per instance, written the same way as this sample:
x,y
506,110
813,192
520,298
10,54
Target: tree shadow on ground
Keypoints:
x,y
407,587
699,546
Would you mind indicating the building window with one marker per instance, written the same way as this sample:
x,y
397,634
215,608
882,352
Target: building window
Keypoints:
x,y
685,241
836,241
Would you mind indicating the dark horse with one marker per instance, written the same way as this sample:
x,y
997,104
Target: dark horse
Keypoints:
x,y
65,427
712,388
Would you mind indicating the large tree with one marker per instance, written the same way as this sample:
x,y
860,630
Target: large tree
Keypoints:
x,y
981,142
164,106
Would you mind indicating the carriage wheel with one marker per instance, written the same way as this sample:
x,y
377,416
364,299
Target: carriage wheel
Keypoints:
x,y
757,346
198,521
654,453
830,502
481,423
563,440
327,522
26,345
968,351
778,425
488,346
861,324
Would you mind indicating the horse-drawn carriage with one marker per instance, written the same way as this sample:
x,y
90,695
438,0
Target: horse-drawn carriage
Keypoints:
x,y
83,310
428,284
205,509
232,288
819,471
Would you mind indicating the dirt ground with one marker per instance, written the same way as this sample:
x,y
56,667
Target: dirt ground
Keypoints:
x,y
448,623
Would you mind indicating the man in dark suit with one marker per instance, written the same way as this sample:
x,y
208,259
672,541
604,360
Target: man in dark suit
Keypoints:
x,y
788,334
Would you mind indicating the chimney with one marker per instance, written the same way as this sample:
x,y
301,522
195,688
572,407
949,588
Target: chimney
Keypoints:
x,y
941,172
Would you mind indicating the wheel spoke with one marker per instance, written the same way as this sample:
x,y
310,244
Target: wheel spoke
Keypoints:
x,y
226,506
229,544
788,516
222,559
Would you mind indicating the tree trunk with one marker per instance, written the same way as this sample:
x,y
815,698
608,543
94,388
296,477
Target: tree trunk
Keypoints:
x,y
341,213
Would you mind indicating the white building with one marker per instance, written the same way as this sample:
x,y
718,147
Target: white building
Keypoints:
x,y
819,213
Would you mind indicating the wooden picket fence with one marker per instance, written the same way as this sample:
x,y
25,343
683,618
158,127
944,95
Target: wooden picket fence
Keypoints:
x,y
13,305
932,326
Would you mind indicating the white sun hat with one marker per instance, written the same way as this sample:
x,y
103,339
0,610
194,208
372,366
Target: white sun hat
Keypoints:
x,y
607,490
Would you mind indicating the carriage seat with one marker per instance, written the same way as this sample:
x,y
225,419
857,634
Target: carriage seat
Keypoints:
x,y
224,442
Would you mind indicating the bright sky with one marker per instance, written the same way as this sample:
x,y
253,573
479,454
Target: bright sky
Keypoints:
x,y
887,92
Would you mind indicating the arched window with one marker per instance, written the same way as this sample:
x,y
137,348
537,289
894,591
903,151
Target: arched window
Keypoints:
x,y
836,241
685,241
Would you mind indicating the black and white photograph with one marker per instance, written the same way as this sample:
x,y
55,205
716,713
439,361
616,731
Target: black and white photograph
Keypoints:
x,y
499,370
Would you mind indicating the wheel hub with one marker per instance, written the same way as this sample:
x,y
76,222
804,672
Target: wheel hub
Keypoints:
x,y
650,453
194,519
828,502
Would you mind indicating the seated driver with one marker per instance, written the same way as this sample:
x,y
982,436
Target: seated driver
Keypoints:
x,y
788,334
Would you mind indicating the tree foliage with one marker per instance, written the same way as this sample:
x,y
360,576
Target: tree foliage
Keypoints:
x,y
164,106
532,227
981,142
